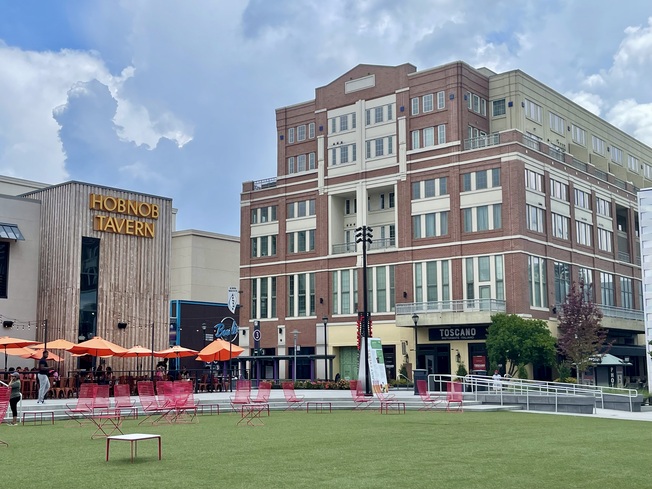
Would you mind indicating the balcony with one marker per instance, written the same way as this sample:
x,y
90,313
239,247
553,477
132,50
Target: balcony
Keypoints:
x,y
338,249
621,313
556,153
265,183
382,244
471,311
531,142
482,142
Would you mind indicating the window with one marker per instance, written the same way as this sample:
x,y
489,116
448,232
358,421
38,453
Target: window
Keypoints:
x,y
481,179
390,116
379,147
291,135
311,130
533,180
579,135
468,98
432,281
557,124
290,211
560,226
495,177
301,241
483,107
263,246
441,134
344,154
430,225
647,171
535,218
632,163
311,160
559,190
415,105
429,188
441,100
617,155
380,281
537,281
607,289
427,103
482,218
4,269
428,136
301,295
603,207
344,123
605,240
482,213
415,139
301,133
562,281
350,206
301,163
498,107
626,293
586,278
263,297
582,199
584,233
533,111
378,115
597,145
345,291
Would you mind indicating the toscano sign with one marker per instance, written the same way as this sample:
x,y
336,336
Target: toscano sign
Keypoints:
x,y
126,207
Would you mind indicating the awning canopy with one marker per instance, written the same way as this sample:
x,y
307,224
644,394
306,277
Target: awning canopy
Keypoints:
x,y
10,231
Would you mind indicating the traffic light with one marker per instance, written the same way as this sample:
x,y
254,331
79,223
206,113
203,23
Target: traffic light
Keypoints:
x,y
363,234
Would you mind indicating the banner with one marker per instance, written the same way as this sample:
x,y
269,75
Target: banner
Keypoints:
x,y
377,370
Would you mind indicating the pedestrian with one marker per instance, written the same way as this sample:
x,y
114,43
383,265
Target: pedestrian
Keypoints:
x,y
497,383
14,383
43,380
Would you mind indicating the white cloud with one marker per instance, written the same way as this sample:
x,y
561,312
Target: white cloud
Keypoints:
x,y
633,118
590,101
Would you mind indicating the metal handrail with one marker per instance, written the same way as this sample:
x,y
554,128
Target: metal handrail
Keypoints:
x,y
509,385
464,305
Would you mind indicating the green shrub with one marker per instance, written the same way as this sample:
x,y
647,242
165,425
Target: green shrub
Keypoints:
x,y
522,372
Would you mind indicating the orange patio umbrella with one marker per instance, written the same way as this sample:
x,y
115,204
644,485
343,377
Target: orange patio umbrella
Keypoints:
x,y
38,354
175,351
219,351
97,347
9,342
59,344
136,351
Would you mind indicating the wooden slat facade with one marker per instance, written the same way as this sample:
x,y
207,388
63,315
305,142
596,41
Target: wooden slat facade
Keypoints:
x,y
133,280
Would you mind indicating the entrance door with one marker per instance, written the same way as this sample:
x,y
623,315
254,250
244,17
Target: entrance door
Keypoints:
x,y
438,361
349,362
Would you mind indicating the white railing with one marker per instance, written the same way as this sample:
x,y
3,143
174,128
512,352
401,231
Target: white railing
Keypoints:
x,y
464,305
478,385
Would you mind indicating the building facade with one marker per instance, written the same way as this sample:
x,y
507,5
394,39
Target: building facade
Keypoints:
x,y
486,193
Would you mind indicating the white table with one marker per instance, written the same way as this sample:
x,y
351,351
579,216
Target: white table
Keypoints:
x,y
133,439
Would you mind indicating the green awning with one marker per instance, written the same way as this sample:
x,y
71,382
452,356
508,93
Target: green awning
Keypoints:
x,y
10,231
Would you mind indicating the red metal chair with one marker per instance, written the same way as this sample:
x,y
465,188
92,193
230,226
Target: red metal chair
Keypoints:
x,y
151,405
429,402
455,395
262,397
183,401
5,394
101,399
123,402
242,394
294,401
360,401
84,405
383,397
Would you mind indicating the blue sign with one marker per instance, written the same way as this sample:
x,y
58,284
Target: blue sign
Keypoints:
x,y
225,332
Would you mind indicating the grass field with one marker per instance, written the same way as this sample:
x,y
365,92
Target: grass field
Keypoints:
x,y
341,450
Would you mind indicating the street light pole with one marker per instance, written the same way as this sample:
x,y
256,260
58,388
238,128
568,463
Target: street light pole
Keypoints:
x,y
325,321
294,370
415,319
363,235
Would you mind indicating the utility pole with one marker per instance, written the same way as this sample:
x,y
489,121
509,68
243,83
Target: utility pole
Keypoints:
x,y
363,235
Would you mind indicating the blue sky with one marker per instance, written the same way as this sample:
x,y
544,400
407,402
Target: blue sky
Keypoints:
x,y
177,98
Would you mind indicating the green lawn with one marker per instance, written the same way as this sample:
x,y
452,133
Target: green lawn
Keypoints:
x,y
341,450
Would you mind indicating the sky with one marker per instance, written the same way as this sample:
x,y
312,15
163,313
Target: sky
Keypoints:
x,y
178,98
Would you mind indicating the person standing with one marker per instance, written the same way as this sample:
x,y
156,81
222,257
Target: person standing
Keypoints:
x,y
43,380
497,383
14,383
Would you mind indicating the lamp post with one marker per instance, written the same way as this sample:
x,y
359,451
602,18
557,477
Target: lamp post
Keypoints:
x,y
363,235
415,320
203,329
325,321
294,370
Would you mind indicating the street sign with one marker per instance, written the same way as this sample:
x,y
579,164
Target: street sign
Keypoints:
x,y
233,299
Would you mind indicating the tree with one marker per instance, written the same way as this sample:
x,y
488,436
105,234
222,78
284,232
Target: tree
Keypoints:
x,y
581,336
519,341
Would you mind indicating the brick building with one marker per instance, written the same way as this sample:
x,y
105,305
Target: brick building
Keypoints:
x,y
486,193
